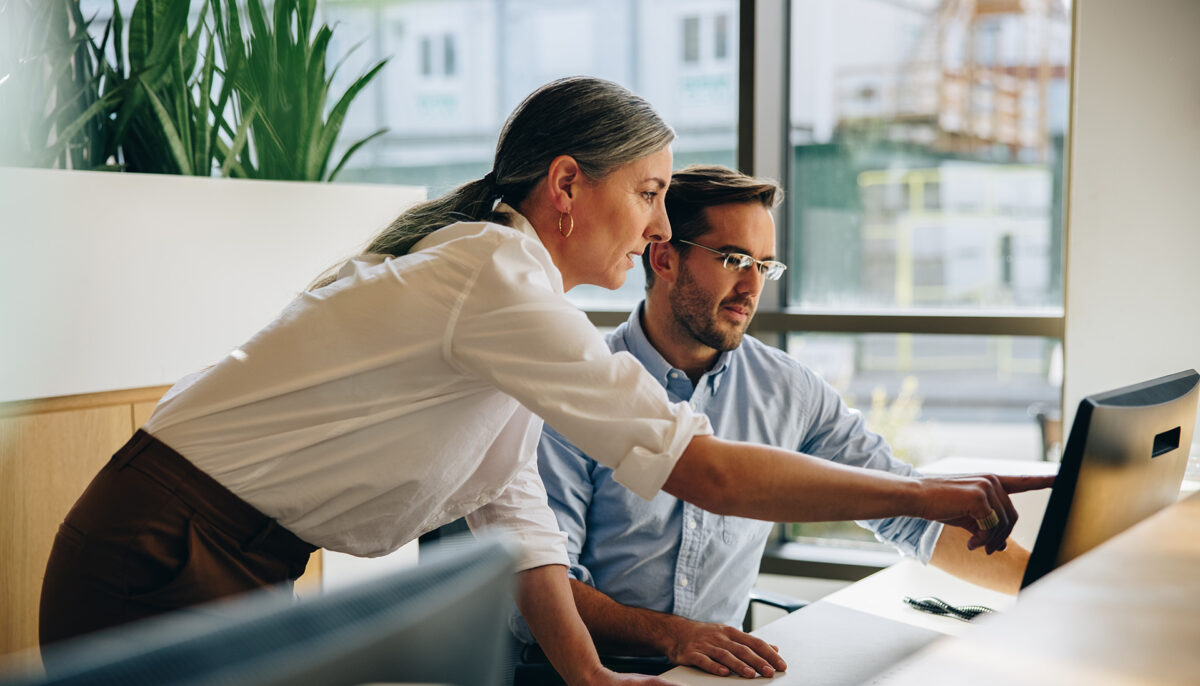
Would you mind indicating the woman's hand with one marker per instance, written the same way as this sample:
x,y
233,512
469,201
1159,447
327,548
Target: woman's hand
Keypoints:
x,y
610,678
969,501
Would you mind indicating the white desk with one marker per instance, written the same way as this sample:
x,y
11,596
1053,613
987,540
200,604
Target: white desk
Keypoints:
x,y
865,628
1124,614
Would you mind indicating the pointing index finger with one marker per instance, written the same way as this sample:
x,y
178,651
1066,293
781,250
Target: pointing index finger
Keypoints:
x,y
1018,484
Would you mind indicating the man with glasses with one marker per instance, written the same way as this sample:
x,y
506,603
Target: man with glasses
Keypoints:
x,y
665,576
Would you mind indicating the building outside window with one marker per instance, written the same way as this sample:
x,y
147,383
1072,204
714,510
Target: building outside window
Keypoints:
x,y
927,185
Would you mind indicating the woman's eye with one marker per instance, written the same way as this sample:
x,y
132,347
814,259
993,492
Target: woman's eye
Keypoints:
x,y
649,196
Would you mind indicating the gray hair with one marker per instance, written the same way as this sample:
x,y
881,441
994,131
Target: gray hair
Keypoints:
x,y
602,125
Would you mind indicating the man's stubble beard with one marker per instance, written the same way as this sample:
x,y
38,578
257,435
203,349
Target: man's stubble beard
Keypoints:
x,y
695,312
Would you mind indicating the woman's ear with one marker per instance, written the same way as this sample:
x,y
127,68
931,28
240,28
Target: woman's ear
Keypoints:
x,y
664,260
563,179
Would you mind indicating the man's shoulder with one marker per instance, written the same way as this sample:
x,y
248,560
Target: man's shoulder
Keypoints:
x,y
556,447
616,338
773,359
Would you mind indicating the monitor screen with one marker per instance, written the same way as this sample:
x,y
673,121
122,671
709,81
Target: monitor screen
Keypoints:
x,y
1124,460
443,622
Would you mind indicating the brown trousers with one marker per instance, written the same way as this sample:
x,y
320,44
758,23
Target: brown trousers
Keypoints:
x,y
153,533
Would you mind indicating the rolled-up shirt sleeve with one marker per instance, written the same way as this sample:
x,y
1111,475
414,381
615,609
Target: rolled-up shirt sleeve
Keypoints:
x,y
515,329
521,511
840,434
568,483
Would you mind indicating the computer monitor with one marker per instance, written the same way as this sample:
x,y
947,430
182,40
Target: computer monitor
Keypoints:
x,y
440,622
1124,460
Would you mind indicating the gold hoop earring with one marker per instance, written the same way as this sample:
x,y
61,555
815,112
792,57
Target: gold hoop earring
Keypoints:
x,y
570,227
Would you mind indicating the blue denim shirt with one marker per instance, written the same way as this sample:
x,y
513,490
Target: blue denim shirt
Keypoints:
x,y
671,556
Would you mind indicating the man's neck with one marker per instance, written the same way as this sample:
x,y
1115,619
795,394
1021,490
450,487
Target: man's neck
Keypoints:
x,y
671,341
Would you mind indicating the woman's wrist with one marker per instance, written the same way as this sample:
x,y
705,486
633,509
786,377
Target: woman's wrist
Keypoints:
x,y
915,497
596,676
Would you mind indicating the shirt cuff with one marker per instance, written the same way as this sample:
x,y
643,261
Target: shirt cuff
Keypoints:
x,y
928,542
540,548
644,472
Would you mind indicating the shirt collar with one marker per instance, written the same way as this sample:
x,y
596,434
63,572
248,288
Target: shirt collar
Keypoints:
x,y
638,344
518,222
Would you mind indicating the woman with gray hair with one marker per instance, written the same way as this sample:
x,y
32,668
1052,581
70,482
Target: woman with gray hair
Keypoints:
x,y
408,389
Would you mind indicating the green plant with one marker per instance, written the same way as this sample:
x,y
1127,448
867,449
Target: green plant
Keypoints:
x,y
51,105
168,120
279,70
152,95
896,420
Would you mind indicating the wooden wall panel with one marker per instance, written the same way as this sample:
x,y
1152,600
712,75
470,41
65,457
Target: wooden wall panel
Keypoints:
x,y
46,460
309,583
49,451
142,412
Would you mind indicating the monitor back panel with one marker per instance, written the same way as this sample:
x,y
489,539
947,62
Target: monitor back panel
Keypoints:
x,y
1124,460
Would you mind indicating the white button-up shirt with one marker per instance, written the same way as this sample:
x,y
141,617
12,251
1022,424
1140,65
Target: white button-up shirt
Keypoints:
x,y
410,392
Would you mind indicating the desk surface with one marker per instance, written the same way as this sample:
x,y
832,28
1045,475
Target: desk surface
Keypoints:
x,y
1125,613
866,628
1082,624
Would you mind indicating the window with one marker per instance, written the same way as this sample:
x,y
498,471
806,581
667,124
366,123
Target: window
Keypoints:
x,y
721,36
925,222
449,56
438,56
691,40
426,56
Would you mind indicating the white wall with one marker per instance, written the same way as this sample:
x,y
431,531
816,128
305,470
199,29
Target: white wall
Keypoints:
x,y
114,280
1133,219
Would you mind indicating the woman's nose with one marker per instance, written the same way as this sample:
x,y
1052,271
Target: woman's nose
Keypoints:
x,y
659,229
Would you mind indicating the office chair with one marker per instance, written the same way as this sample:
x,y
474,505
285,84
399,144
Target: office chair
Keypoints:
x,y
1049,421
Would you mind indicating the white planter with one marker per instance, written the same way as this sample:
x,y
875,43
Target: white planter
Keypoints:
x,y
113,280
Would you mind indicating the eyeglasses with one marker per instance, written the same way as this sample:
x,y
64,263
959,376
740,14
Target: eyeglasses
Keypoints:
x,y
738,262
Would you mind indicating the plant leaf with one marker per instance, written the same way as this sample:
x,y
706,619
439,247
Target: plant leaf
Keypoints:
x,y
179,93
231,164
178,151
353,149
239,141
337,116
141,33
204,154
118,24
69,131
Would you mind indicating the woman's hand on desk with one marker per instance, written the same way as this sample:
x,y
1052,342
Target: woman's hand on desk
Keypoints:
x,y
610,678
978,503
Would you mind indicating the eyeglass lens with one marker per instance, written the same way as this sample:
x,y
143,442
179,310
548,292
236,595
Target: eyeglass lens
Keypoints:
x,y
770,269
